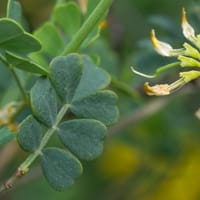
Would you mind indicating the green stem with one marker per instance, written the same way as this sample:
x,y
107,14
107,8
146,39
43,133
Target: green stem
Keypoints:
x,y
24,167
18,83
87,27
3,60
166,67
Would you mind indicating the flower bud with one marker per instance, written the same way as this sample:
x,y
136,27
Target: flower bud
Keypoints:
x,y
188,30
163,48
191,51
188,62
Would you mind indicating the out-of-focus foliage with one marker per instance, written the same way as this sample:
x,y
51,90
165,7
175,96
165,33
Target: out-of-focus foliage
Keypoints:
x,y
153,153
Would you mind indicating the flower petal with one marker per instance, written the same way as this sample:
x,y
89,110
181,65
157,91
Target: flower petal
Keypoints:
x,y
188,30
157,90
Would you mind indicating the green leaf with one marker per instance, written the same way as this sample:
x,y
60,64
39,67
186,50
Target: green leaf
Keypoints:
x,y
60,167
44,102
92,79
13,38
65,74
84,137
68,17
25,64
100,106
30,134
50,39
14,10
39,58
6,136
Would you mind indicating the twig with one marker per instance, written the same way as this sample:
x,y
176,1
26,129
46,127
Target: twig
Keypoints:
x,y
24,167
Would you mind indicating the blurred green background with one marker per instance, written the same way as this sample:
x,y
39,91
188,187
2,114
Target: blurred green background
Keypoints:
x,y
153,152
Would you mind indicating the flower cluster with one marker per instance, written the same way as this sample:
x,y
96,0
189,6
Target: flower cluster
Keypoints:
x,y
188,56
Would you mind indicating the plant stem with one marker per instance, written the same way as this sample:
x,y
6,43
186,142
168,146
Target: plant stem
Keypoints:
x,y
15,77
87,27
18,83
24,167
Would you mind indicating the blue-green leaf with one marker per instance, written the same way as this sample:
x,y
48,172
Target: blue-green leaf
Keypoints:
x,y
60,167
50,39
14,10
14,38
100,106
68,17
44,102
93,79
84,137
30,134
25,64
65,74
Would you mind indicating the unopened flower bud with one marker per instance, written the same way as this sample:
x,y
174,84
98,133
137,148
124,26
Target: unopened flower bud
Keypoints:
x,y
164,48
188,30
190,75
188,62
191,51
